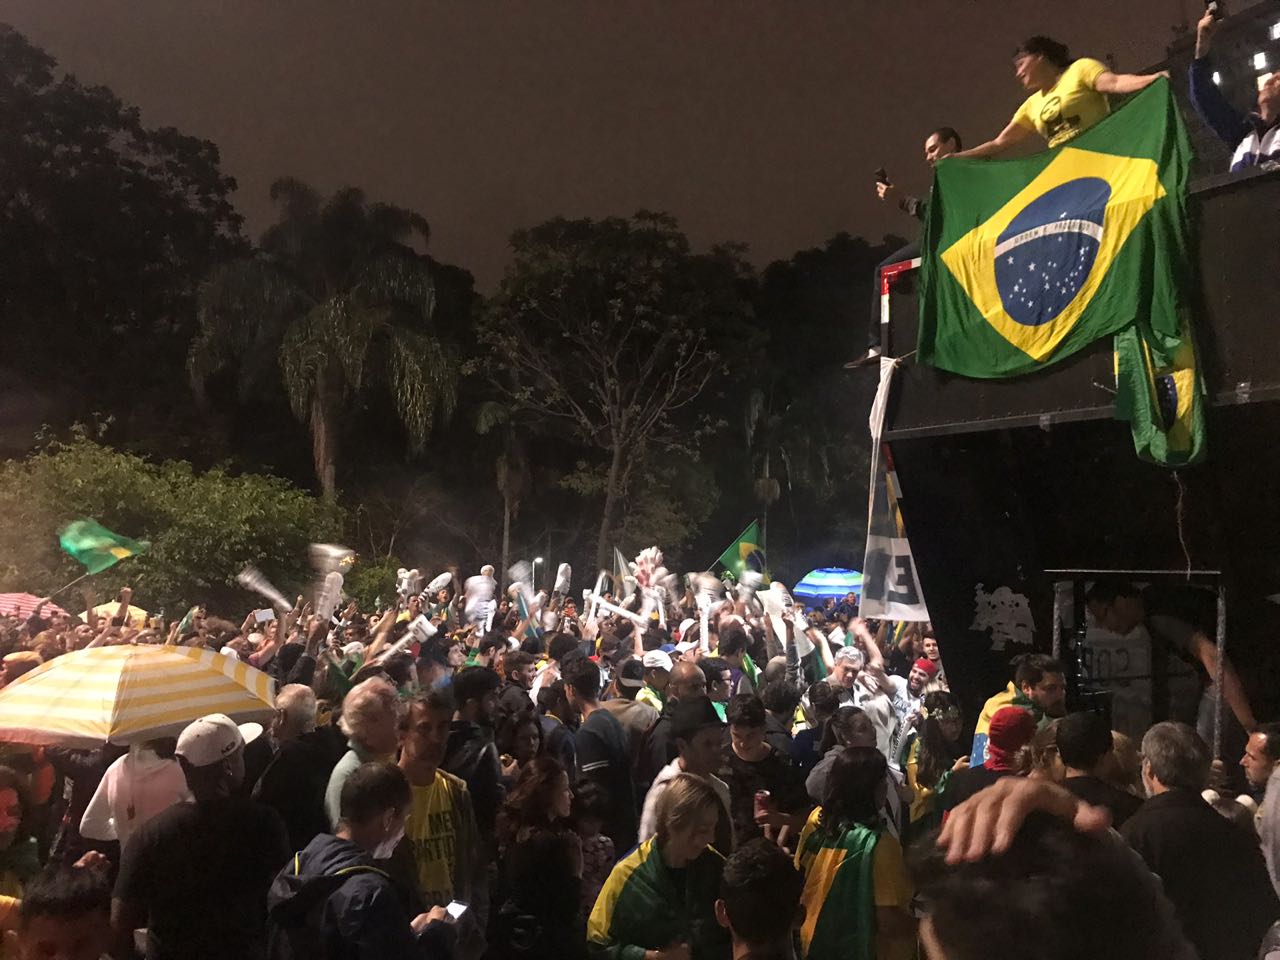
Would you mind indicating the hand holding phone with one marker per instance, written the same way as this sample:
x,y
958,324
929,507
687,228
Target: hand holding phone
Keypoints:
x,y
456,909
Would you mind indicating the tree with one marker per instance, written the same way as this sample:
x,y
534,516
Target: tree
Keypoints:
x,y
605,329
106,229
203,527
333,301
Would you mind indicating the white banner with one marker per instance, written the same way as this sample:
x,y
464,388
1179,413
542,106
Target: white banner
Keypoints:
x,y
890,583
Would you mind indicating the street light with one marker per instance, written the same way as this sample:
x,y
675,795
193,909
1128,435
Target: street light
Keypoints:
x,y
536,561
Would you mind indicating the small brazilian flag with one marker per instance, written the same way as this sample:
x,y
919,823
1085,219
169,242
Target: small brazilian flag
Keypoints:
x,y
90,543
745,553
1028,261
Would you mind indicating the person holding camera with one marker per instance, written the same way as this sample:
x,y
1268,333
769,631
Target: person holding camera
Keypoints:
x,y
1255,138
942,142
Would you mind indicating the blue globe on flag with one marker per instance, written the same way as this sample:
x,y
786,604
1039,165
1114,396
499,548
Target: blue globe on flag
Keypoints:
x,y
1044,256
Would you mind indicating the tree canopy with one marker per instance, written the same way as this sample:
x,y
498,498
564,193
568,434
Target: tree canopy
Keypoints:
x,y
203,526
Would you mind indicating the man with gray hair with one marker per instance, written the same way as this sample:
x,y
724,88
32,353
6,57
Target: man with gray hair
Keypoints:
x,y
294,782
371,721
1213,872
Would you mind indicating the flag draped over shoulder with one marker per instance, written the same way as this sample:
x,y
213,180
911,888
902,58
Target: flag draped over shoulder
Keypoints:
x,y
1028,261
90,543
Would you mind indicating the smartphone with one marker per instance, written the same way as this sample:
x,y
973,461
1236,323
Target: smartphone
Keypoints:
x,y
456,909
262,616
882,176
1215,8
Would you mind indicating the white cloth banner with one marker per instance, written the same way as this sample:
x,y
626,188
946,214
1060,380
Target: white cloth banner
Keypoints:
x,y
890,583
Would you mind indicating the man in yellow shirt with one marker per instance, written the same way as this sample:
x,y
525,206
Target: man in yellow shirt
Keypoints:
x,y
1067,96
440,834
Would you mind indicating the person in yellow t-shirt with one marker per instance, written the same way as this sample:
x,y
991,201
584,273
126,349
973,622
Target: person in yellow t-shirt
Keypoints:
x,y
441,832
1067,96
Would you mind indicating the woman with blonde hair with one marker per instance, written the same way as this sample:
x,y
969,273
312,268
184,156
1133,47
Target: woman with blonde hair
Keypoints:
x,y
661,897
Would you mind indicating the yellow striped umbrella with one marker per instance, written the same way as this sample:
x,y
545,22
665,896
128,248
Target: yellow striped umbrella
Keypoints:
x,y
126,694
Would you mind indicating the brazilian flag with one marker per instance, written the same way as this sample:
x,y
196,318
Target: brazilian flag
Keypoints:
x,y
93,545
745,553
1030,260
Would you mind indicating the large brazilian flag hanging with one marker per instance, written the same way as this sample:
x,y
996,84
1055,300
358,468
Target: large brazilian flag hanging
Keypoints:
x,y
1028,261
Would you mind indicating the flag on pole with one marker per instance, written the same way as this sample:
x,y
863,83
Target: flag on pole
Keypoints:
x,y
745,553
90,543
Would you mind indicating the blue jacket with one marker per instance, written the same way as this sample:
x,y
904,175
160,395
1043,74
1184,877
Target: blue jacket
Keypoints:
x,y
1254,142
331,902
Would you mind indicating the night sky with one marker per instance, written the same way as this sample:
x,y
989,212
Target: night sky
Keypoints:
x,y
753,121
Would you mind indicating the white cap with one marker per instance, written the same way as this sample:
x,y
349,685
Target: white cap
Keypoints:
x,y
684,646
656,660
685,627
213,738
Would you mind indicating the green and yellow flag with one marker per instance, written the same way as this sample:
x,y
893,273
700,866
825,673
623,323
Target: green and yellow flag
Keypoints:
x,y
745,553
1028,261
90,543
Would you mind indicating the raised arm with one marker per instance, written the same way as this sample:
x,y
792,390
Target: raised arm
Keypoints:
x,y
1126,82
1010,136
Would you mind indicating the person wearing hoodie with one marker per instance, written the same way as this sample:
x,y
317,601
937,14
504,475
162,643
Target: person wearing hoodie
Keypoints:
x,y
335,901
144,782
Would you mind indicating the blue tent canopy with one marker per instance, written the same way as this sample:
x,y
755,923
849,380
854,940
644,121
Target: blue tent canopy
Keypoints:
x,y
829,582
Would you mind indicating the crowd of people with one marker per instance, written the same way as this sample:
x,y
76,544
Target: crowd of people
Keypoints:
x,y
695,778
665,774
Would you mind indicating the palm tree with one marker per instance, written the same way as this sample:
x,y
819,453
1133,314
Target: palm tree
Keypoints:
x,y
339,301
511,468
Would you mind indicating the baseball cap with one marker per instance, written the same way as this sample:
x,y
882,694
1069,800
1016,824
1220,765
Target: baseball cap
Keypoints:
x,y
657,660
690,715
631,673
213,738
686,627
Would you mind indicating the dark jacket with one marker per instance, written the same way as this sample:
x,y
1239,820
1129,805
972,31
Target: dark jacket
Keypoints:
x,y
332,903
1253,141
472,755
513,699
1212,870
295,780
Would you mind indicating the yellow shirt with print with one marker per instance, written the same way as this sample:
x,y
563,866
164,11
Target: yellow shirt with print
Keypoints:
x,y
432,837
1070,107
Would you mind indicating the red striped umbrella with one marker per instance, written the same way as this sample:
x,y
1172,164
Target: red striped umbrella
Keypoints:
x,y
22,605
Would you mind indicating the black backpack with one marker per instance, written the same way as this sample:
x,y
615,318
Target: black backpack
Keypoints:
x,y
295,926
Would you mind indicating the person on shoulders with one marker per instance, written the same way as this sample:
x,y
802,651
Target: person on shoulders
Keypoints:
x,y
1254,137
1067,96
